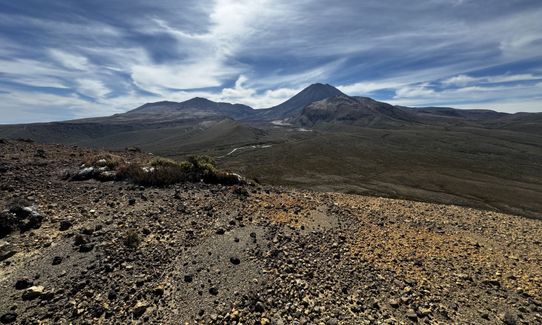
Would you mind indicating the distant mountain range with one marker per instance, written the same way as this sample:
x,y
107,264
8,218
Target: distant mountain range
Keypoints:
x,y
316,104
324,139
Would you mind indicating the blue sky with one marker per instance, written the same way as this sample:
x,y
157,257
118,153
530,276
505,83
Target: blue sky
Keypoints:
x,y
69,59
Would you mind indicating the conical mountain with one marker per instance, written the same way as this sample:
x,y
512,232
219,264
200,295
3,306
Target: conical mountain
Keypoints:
x,y
293,106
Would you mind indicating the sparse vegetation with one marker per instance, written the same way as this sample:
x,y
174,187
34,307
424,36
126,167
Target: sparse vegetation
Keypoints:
x,y
133,149
104,160
164,172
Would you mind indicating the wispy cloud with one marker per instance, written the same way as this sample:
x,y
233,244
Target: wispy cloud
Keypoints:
x,y
63,60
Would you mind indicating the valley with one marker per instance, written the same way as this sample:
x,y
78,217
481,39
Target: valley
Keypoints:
x,y
324,140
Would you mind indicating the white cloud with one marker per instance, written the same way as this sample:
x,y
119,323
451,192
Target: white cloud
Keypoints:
x,y
207,54
368,87
462,79
414,91
249,96
68,60
459,80
92,88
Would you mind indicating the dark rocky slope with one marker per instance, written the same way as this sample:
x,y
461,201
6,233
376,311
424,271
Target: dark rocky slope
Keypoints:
x,y
112,252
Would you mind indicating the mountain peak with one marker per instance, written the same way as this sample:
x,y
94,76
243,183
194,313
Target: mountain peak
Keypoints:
x,y
322,88
294,105
198,100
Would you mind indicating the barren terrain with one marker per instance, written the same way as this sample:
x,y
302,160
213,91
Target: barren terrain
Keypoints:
x,y
113,253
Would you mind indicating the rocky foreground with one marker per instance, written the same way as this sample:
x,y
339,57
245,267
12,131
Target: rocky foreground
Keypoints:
x,y
90,252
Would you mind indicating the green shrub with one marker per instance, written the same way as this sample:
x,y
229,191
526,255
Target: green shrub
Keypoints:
x,y
159,162
104,160
163,172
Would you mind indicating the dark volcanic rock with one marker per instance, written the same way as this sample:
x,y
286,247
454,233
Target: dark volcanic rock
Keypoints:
x,y
85,248
57,260
23,284
6,250
8,318
65,225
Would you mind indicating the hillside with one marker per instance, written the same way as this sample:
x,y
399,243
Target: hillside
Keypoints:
x,y
107,252
325,140
293,106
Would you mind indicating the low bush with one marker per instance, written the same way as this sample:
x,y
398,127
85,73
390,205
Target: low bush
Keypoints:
x,y
164,172
133,149
104,160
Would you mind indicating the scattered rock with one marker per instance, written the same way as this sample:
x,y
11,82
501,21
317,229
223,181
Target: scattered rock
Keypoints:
x,y
80,240
235,260
65,225
57,260
8,318
6,250
509,319
424,312
33,293
332,321
85,248
140,308
213,291
411,314
159,290
23,284
394,303
259,307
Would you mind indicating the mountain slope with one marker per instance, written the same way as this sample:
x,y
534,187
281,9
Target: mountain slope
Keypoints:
x,y
195,108
115,253
361,111
293,106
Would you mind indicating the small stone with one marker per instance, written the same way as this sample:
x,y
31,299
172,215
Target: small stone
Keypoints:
x,y
265,321
80,240
188,278
131,201
23,284
332,321
85,248
158,291
394,303
213,291
33,293
509,319
220,231
411,314
235,260
423,312
6,250
140,308
65,225
8,317
57,260
112,295
259,307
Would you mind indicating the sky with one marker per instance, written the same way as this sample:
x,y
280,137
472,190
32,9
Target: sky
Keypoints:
x,y
67,59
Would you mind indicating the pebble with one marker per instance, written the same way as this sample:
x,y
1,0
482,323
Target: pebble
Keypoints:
x,y
8,318
33,293
23,284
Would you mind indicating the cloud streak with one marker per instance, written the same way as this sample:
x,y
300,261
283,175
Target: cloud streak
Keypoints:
x,y
66,60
